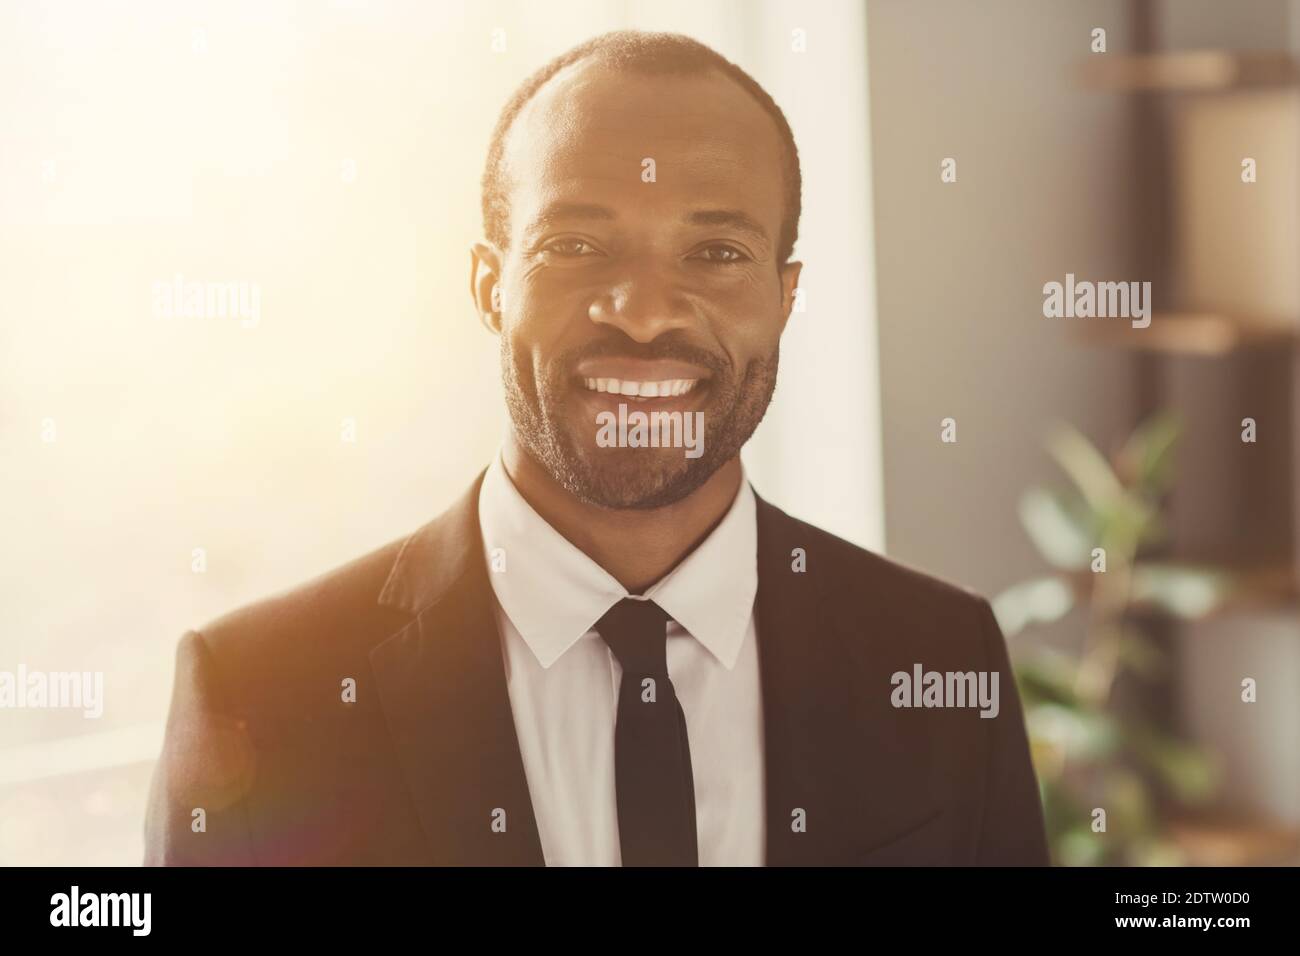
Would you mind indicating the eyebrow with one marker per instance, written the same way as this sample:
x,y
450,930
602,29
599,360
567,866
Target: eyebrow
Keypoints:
x,y
557,212
732,218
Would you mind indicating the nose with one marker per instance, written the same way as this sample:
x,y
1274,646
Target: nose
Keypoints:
x,y
643,306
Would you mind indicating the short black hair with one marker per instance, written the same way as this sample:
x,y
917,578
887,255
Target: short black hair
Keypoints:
x,y
646,53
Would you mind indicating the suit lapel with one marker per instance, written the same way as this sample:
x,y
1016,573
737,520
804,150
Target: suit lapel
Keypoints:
x,y
441,682
802,717
834,747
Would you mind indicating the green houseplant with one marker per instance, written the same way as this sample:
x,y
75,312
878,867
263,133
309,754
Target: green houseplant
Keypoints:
x,y
1090,751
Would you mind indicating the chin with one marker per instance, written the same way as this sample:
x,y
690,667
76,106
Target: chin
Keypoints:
x,y
634,478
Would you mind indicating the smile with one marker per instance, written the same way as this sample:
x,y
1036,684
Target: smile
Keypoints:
x,y
660,389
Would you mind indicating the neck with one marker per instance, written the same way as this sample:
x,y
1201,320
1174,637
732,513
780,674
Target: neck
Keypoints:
x,y
636,547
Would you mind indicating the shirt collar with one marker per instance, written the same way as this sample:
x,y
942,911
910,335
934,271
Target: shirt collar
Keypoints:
x,y
554,594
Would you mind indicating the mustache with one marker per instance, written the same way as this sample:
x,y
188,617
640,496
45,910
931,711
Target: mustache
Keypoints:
x,y
664,347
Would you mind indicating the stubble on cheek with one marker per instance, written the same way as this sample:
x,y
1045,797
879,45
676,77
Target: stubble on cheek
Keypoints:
x,y
537,413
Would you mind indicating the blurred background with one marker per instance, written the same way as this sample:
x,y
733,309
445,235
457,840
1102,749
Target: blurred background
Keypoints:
x,y
159,470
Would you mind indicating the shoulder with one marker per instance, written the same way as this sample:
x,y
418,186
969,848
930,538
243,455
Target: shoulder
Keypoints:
x,y
869,593
328,625
838,565
327,616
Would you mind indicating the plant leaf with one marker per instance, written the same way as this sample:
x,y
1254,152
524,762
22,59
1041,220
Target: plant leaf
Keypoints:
x,y
1185,769
1059,533
1086,466
1139,653
1085,735
1036,601
1149,453
1047,676
1185,591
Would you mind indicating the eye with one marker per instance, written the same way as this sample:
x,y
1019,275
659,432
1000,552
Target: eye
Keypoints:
x,y
720,254
569,247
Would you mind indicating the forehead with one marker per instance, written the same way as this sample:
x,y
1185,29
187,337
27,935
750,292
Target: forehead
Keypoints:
x,y
587,131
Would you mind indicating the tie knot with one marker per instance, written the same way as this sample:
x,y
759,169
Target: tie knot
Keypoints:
x,y
635,632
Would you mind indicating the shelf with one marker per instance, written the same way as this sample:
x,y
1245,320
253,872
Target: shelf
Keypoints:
x,y
1204,71
1256,588
1262,589
1190,333
1208,841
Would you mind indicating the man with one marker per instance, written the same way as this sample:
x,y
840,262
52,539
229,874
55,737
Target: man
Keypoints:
x,y
611,650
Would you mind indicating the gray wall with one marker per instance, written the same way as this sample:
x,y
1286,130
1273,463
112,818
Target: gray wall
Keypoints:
x,y
1041,191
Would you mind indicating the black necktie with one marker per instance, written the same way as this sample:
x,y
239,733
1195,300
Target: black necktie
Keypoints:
x,y
652,756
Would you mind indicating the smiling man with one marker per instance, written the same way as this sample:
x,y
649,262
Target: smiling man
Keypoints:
x,y
612,651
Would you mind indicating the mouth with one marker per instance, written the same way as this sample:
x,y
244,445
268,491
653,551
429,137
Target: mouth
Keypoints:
x,y
642,390
659,383
649,393
598,395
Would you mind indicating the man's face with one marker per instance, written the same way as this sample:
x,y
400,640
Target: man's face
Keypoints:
x,y
620,278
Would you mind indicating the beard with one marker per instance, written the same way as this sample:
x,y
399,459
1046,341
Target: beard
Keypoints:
x,y
544,406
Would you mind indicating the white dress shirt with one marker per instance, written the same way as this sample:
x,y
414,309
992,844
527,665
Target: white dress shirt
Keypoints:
x,y
563,679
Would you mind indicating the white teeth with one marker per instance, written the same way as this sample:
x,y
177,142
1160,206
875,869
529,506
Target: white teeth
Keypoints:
x,y
664,389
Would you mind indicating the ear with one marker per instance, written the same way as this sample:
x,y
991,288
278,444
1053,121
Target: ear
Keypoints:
x,y
789,282
485,285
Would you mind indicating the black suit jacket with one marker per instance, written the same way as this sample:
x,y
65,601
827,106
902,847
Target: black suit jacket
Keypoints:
x,y
287,773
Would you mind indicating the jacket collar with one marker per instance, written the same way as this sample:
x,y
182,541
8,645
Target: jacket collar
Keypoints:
x,y
554,593
442,686
435,557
